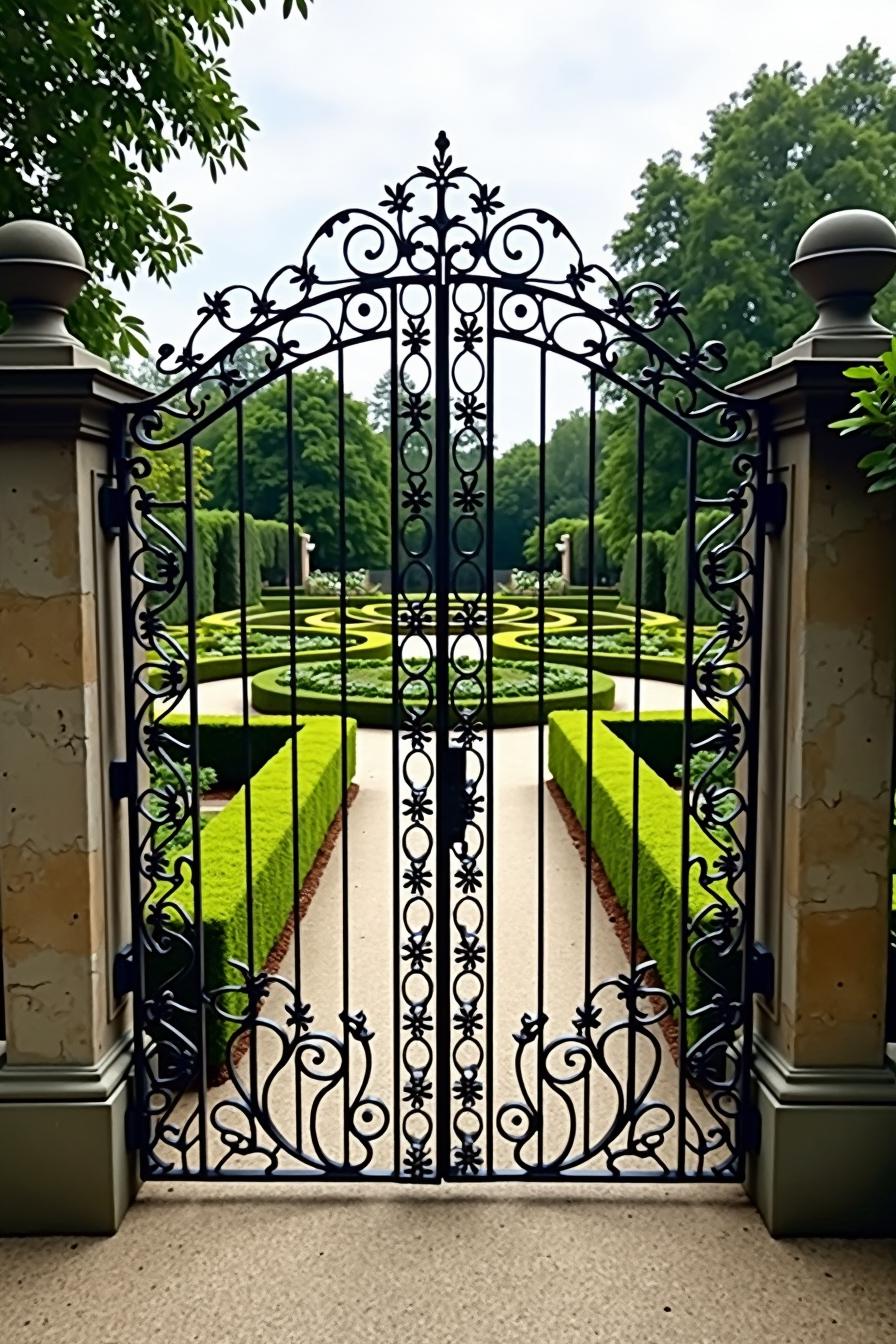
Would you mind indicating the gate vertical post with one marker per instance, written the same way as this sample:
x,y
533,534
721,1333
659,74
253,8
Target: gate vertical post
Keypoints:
x,y
825,1090
64,1163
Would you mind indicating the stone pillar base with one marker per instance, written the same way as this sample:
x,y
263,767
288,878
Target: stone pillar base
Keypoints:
x,y
827,1159
64,1165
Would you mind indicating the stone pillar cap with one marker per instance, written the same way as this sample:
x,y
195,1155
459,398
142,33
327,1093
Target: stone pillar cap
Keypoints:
x,y
42,272
842,262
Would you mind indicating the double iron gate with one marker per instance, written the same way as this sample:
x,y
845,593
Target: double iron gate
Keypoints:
x,y
451,1036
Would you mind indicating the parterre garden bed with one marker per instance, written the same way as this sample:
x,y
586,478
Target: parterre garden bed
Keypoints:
x,y
307,631
519,697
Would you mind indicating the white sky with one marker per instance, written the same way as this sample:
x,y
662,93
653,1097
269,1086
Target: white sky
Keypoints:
x,y
559,101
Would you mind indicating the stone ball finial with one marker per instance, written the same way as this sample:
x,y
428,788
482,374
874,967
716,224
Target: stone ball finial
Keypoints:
x,y
42,272
842,261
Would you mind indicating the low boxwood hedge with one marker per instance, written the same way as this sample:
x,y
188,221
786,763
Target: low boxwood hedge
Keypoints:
x,y
271,696
524,644
223,862
222,742
659,831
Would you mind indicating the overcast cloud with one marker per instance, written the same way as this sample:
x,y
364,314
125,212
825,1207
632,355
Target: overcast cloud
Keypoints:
x,y
559,101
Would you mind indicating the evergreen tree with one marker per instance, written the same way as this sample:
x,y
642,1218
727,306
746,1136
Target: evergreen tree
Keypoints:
x,y
317,474
722,233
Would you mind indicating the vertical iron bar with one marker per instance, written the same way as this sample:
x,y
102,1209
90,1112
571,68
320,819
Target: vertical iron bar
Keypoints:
x,y
196,875
442,631
687,734
542,435
755,629
395,459
489,729
247,742
291,577
343,663
636,752
589,732
121,469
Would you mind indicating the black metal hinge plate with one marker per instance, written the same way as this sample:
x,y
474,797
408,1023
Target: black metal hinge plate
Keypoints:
x,y
123,972
118,780
761,971
112,509
136,1129
774,507
751,1129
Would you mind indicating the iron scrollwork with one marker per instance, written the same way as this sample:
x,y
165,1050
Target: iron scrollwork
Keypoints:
x,y
509,275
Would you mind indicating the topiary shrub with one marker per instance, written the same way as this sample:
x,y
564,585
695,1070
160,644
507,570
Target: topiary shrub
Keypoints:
x,y
655,551
677,572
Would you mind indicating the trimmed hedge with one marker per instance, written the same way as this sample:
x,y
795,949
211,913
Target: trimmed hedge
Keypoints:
x,y
223,860
659,833
655,550
270,698
222,742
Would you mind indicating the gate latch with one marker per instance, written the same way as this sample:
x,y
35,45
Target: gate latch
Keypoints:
x,y
457,796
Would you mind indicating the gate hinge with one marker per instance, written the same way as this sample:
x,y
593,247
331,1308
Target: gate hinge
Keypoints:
x,y
761,971
774,507
119,779
124,976
136,1128
751,1128
112,509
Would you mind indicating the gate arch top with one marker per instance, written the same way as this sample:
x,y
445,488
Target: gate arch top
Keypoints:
x,y
546,295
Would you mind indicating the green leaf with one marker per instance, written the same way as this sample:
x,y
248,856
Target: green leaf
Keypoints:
x,y
851,423
863,371
879,459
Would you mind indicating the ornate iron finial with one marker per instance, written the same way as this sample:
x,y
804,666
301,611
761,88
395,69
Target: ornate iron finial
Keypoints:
x,y
42,272
842,262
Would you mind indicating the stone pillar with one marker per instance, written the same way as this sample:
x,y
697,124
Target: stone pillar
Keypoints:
x,y
825,1091
64,1166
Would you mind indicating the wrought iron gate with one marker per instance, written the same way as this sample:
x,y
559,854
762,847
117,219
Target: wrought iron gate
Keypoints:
x,y
645,1074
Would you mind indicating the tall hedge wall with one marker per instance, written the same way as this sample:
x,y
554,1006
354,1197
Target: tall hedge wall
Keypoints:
x,y
273,539
655,551
605,572
216,543
677,573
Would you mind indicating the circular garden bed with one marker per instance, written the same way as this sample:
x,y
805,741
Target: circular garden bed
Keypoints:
x,y
369,690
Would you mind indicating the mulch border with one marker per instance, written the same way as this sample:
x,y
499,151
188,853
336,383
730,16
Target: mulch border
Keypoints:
x,y
274,959
614,911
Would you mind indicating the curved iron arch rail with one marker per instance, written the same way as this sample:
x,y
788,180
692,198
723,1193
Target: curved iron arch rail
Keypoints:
x,y
442,289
